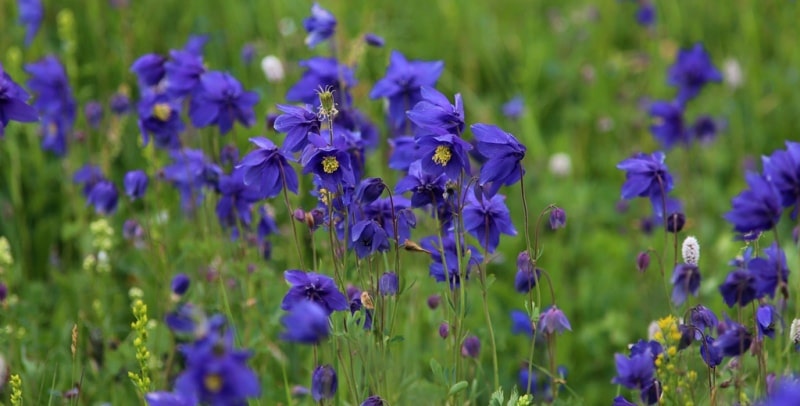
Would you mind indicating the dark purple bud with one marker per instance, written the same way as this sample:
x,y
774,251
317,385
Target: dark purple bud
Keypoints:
x,y
471,347
444,330
299,215
433,301
675,222
132,230
3,292
248,52
387,285
373,401
324,383
271,117
94,113
374,40
558,218
369,190
643,261
180,283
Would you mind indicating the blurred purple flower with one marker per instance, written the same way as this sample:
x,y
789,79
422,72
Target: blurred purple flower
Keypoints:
x,y
756,209
195,44
160,117
149,69
691,71
31,14
486,218
735,340
374,40
471,347
503,153
135,183
646,176
221,100
54,102
13,103
668,128
306,323
514,108
183,72
685,281
323,383
180,284
325,73
104,197
311,286
320,26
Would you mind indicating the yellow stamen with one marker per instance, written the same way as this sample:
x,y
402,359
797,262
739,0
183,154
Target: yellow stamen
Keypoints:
x,y
213,382
330,164
162,111
442,155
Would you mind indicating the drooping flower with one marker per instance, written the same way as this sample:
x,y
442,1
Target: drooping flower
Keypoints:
x,y
324,382
514,108
234,207
183,72
54,102
445,153
312,286
135,183
426,188
88,176
711,354
650,347
104,197
558,218
771,272
31,13
297,122
374,40
434,113
486,218
320,26
221,100
643,261
521,323
325,73
691,71
504,155
471,347
387,284
384,211
268,169
368,237
553,321
646,176
739,287
703,319
668,128
13,103
444,330
766,319
160,117
180,284
527,275
756,209
469,254
402,84
306,323
149,69
735,340
685,281
782,168
636,371
369,190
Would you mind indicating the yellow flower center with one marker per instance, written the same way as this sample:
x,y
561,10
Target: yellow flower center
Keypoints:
x,y
442,155
213,382
162,111
330,164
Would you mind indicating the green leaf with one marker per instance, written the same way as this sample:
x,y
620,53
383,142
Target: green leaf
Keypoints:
x,y
458,387
497,398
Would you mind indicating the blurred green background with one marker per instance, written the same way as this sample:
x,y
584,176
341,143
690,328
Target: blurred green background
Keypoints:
x,y
584,70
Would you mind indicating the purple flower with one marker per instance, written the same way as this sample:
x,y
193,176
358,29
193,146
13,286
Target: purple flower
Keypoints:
x,y
711,354
267,225
433,301
369,190
646,14
297,122
503,155
236,198
739,287
135,183
120,103
221,100
320,26
521,323
104,197
13,103
317,288
558,218
514,108
183,72
160,117
756,209
782,168
383,211
691,71
88,176
325,73
651,347
704,129
306,323
426,188
3,292
368,237
324,382
621,401
149,69
54,102
248,53
404,152
527,276
643,261
93,111
771,272
268,169
195,44
668,126
766,318
434,113
471,347
445,153
785,392
437,268
180,284
387,284
636,372
685,281
374,40
402,84
373,400
190,172
31,13
485,218
553,320
735,340
703,319
177,398
331,163
646,176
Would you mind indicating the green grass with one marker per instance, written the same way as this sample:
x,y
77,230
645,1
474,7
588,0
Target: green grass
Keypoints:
x,y
540,50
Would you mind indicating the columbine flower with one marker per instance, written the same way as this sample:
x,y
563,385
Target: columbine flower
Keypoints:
x,y
646,14
668,126
120,103
373,400
387,284
739,287
691,71
374,40
160,117
317,288
426,188
190,172
527,276
486,218
782,168
471,347
514,108
297,123
766,318
553,320
703,319
521,323
88,176
646,176
369,190
31,13
149,69
636,372
404,152
93,111
320,26
54,102
330,162
306,323
368,237
13,104
685,281
756,209
711,354
445,153
103,197
135,183
504,155
558,218
324,382
195,44
221,100
705,129
771,272
326,73
402,84
434,113
437,268
621,401
180,284
183,72
735,340
268,169
236,199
